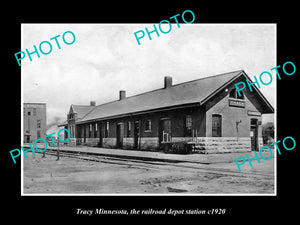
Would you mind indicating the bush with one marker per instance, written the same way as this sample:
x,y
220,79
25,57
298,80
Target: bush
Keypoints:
x,y
178,148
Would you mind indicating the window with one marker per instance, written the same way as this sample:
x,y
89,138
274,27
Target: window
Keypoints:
x,y
107,129
90,130
233,94
148,125
216,125
128,129
34,112
253,122
28,113
38,134
96,130
188,121
188,125
38,123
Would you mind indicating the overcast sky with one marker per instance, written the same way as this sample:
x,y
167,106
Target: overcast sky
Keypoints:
x,y
106,58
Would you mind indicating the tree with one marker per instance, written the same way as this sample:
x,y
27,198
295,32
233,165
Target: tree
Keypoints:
x,y
268,132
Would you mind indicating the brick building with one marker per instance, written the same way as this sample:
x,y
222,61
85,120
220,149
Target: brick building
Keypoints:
x,y
34,121
207,111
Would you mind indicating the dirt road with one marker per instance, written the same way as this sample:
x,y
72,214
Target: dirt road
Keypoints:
x,y
115,176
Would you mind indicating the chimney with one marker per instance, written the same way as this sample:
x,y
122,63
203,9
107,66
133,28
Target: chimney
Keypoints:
x,y
122,95
92,103
168,81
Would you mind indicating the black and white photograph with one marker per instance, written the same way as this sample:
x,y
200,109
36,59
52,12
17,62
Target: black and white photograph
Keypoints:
x,y
135,112
178,113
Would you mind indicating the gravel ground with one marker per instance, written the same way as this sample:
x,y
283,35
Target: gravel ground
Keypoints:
x,y
74,176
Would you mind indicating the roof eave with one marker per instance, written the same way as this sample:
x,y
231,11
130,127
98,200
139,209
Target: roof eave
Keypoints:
x,y
223,85
141,112
270,108
242,72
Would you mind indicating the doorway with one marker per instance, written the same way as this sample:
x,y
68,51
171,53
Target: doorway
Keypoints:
x,y
216,125
100,133
254,134
136,134
84,133
120,135
165,134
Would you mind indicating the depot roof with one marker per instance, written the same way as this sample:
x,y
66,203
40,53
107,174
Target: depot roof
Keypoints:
x,y
193,92
81,110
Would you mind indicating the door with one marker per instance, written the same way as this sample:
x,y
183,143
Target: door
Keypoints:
x,y
84,133
120,135
136,134
101,134
216,125
254,134
165,134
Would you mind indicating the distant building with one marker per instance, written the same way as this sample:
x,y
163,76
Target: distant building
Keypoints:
x,y
207,110
34,121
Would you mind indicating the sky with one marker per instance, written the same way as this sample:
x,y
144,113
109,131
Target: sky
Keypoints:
x,y
106,58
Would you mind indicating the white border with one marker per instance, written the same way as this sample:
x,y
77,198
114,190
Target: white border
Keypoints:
x,y
22,123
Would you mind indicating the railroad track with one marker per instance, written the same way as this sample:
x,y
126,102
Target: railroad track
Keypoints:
x,y
155,165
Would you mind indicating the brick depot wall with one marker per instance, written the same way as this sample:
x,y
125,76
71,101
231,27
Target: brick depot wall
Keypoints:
x,y
92,142
209,145
128,143
149,143
149,138
109,142
79,141
231,141
177,116
71,142
223,144
260,142
229,117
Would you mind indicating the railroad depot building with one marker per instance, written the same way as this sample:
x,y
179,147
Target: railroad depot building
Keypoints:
x,y
206,111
